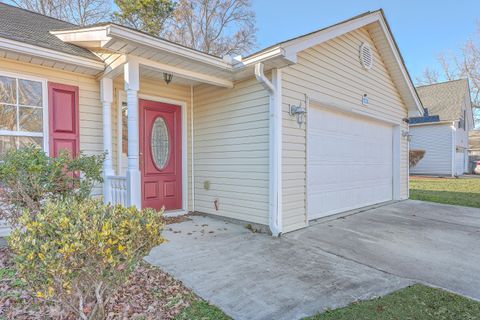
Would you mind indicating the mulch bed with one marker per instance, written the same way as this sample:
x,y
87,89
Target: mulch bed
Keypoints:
x,y
149,293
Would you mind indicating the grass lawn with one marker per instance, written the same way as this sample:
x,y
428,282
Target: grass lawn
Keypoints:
x,y
417,302
463,191
201,310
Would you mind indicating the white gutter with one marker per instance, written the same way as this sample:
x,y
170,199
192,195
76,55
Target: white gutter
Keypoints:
x,y
273,53
274,89
53,55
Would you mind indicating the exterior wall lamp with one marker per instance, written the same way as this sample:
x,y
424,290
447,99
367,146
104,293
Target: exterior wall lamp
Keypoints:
x,y
299,112
406,134
167,77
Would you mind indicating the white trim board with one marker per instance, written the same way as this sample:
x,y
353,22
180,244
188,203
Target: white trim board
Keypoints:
x,y
121,97
53,55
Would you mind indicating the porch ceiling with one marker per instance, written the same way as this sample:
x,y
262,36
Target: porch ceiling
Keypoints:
x,y
156,75
167,58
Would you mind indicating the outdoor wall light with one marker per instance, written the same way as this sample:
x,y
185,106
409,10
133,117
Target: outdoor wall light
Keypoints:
x,y
406,134
299,112
167,77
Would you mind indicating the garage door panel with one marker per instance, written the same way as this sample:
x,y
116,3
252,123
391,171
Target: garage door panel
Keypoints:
x,y
349,162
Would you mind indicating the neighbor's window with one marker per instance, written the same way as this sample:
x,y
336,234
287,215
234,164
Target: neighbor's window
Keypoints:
x,y
462,122
21,113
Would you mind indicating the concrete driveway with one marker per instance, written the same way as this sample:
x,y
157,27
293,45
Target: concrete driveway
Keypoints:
x,y
328,265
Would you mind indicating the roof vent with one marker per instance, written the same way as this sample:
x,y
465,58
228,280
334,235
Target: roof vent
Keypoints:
x,y
366,57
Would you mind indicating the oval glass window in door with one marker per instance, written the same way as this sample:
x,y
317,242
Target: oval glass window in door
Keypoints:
x,y
160,143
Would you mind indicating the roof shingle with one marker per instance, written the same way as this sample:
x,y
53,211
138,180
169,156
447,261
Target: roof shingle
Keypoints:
x,y
444,99
33,28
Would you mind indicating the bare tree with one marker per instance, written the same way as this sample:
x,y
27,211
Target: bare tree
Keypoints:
x,y
80,12
470,67
46,7
449,72
218,27
429,76
85,12
466,64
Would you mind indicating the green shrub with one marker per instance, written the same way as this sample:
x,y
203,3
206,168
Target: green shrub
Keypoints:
x,y
28,177
76,253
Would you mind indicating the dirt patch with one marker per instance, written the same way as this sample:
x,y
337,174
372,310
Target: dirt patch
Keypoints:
x,y
430,177
177,219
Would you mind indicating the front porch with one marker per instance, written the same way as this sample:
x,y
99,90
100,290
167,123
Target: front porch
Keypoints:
x,y
121,92
231,122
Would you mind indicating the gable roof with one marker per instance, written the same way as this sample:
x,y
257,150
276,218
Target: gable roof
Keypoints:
x,y
377,25
444,99
33,28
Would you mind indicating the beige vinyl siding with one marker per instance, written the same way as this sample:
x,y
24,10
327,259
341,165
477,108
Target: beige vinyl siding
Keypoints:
x,y
158,89
437,141
331,72
90,110
231,151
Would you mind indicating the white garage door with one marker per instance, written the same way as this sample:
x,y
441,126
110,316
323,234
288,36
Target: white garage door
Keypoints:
x,y
349,162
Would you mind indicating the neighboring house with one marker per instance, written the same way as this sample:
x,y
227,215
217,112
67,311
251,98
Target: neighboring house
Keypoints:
x,y
474,143
443,131
219,138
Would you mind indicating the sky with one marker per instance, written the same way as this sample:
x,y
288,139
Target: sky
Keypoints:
x,y
423,29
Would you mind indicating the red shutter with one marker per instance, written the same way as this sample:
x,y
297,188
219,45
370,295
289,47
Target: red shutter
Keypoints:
x,y
63,118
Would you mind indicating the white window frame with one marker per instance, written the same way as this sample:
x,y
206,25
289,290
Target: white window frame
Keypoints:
x,y
45,119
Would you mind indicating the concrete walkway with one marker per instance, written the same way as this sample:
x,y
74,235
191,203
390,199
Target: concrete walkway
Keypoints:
x,y
328,265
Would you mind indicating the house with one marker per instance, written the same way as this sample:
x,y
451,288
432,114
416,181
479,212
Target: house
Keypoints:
x,y
309,127
474,143
443,131
473,149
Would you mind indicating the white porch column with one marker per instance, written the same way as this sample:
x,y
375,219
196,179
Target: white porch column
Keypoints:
x,y
106,90
132,85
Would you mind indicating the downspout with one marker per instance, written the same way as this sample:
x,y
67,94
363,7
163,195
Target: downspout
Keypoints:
x,y
454,151
274,89
192,149
408,162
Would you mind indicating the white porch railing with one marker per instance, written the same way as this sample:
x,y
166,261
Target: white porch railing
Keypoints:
x,y
117,190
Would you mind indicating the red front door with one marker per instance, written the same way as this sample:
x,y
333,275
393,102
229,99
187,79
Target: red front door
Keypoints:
x,y
161,155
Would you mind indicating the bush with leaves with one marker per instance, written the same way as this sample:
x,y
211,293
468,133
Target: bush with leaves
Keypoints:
x,y
415,156
28,177
76,253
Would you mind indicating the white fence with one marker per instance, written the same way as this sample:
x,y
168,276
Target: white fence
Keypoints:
x,y
117,190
